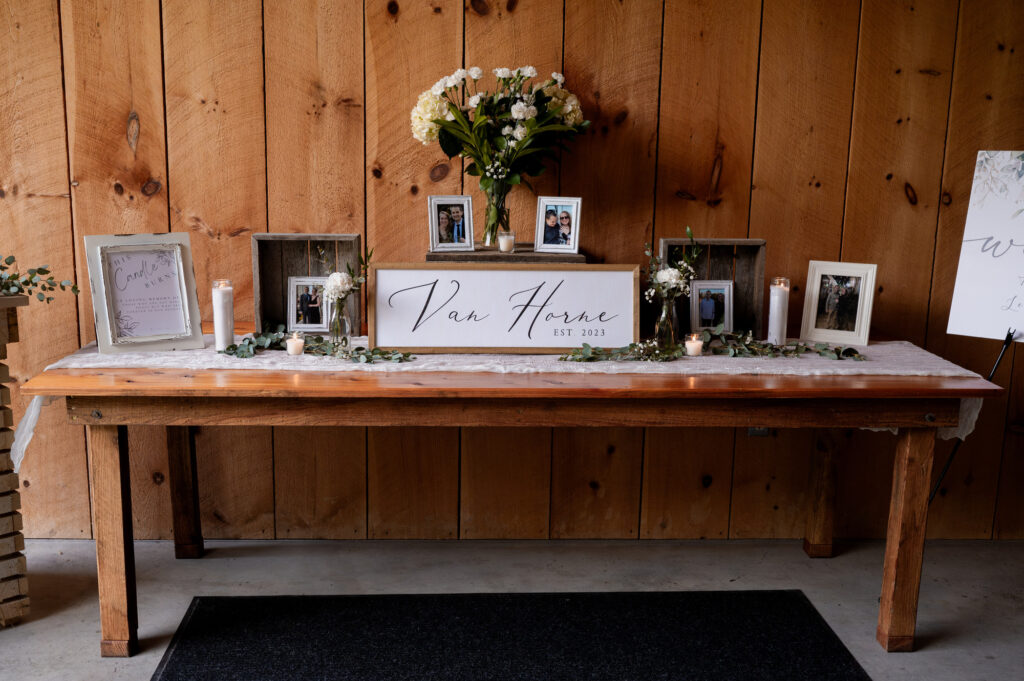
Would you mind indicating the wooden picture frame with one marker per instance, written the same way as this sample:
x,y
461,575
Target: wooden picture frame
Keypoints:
x,y
839,295
437,306
699,288
441,238
562,206
143,289
276,257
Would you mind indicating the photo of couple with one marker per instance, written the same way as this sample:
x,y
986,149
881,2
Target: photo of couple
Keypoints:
x,y
557,225
558,220
711,304
307,308
838,298
451,223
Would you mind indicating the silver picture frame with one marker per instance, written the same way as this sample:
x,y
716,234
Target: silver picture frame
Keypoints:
x,y
442,237
294,306
561,206
709,289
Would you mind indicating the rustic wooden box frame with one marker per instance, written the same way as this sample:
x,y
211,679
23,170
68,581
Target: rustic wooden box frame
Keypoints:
x,y
275,257
740,260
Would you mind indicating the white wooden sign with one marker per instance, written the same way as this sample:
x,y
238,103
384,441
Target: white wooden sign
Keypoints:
x,y
502,308
988,298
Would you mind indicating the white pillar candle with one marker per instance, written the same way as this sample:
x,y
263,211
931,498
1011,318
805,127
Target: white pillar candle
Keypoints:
x,y
223,314
778,310
506,242
694,344
295,344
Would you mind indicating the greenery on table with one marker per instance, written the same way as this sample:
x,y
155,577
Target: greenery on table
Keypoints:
x,y
250,346
36,281
717,342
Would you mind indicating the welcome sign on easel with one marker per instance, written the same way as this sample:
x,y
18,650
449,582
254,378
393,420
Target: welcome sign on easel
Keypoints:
x,y
988,298
502,308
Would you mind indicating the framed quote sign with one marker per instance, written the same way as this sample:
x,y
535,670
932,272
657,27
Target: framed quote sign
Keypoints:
x,y
521,308
143,292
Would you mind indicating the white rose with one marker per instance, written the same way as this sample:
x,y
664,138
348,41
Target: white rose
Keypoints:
x,y
520,132
503,73
558,77
475,72
474,100
428,108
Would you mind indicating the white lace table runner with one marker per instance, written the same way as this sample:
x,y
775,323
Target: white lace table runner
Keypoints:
x,y
897,358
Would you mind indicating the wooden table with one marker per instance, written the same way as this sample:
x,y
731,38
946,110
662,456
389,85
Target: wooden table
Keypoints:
x,y
108,400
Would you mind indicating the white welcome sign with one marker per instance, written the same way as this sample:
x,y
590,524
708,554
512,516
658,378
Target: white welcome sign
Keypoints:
x,y
502,308
988,298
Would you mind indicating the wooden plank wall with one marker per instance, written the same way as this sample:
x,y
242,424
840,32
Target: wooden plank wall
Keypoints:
x,y
833,130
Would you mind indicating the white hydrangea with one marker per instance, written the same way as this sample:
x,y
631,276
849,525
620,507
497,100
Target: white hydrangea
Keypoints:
x,y
474,100
565,104
503,73
558,77
669,278
527,71
428,108
521,111
338,285
475,72
520,132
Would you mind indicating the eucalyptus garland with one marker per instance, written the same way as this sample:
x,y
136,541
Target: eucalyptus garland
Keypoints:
x,y
37,281
717,342
252,345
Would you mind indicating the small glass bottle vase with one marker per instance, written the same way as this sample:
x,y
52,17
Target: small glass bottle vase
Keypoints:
x,y
665,327
340,327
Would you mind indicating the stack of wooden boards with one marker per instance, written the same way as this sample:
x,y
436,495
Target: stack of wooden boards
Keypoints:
x,y
13,582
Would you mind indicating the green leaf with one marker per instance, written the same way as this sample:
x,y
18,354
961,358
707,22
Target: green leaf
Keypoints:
x,y
40,296
449,142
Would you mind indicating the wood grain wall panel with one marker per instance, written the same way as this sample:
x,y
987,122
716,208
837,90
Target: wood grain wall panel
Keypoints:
x,y
706,117
236,482
612,63
595,483
409,45
316,183
984,113
413,483
320,483
116,144
314,90
505,483
213,58
771,485
687,483
804,97
514,34
510,35
1009,521
35,225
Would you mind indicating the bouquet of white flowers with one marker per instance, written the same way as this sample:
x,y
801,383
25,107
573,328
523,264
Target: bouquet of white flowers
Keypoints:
x,y
508,134
666,282
337,289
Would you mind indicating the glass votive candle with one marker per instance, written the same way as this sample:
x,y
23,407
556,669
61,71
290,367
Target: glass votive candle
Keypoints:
x,y
295,344
694,344
507,242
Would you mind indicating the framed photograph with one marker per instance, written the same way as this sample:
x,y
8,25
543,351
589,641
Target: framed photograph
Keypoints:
x,y
710,304
837,306
451,223
143,292
558,224
308,310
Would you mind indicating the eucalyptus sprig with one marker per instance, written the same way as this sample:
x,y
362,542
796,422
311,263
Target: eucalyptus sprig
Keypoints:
x,y
250,346
37,280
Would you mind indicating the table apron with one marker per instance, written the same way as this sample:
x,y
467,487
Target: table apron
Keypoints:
x,y
847,412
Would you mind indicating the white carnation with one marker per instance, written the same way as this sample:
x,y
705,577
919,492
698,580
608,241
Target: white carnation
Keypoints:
x,y
438,88
527,71
474,100
428,108
338,285
507,130
520,111
503,73
520,132
669,278
558,77
475,72
460,75
451,81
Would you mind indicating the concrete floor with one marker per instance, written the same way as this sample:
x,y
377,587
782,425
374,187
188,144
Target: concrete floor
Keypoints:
x,y
970,622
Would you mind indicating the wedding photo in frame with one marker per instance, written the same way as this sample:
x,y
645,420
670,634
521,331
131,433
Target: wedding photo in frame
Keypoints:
x,y
451,223
711,302
558,224
143,292
308,309
837,307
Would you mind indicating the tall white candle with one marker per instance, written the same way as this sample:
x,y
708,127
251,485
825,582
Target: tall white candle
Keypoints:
x,y
223,314
778,310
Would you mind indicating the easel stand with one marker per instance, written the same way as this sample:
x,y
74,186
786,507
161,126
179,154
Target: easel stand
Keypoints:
x,y
1010,335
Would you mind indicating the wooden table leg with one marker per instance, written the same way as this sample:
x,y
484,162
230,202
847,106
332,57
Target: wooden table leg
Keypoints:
x,y
181,468
904,543
115,553
821,513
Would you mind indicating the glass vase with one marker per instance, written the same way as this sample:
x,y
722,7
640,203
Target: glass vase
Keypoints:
x,y
340,326
665,327
497,218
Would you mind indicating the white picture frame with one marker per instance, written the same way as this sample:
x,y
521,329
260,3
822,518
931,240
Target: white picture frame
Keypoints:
x,y
543,241
846,317
442,208
721,310
143,291
297,312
